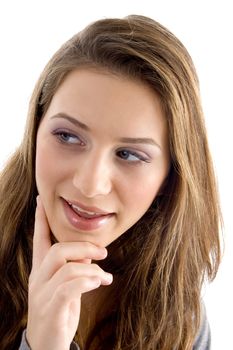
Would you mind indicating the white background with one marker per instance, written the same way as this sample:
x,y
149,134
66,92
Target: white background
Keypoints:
x,y
31,31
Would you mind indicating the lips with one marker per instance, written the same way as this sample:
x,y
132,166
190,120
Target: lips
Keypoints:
x,y
83,213
87,212
83,217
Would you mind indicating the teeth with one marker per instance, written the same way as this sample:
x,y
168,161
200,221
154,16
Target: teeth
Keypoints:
x,y
76,208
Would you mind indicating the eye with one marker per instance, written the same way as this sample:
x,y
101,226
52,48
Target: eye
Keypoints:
x,y
67,137
131,156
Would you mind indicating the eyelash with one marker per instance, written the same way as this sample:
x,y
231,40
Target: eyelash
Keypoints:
x,y
59,134
139,157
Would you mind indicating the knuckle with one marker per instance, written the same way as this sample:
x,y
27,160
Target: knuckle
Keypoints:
x,y
87,244
57,249
97,269
63,292
70,269
85,284
90,246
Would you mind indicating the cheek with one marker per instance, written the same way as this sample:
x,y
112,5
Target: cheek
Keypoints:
x,y
47,168
140,192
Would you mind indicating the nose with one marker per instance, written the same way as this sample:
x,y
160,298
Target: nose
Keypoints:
x,y
92,176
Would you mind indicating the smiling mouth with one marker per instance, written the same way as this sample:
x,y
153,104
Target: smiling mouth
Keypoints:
x,y
84,213
85,218
87,212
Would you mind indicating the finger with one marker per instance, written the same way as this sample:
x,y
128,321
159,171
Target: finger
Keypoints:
x,y
85,261
73,270
64,252
73,289
41,239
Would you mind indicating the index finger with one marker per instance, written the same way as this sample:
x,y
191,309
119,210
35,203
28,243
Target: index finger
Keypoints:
x,y
41,239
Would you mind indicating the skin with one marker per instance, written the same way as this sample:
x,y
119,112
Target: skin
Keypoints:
x,y
124,179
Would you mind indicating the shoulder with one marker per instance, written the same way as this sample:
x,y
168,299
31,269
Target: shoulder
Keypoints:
x,y
203,338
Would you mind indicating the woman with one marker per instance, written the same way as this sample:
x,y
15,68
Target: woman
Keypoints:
x,y
127,215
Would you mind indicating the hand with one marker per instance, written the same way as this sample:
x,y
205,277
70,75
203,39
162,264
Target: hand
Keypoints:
x,y
60,274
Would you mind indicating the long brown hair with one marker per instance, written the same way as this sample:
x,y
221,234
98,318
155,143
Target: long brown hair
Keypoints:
x,y
175,245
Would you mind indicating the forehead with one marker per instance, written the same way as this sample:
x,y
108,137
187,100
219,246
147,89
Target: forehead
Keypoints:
x,y
98,95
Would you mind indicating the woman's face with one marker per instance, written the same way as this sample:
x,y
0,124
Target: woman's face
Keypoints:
x,y
102,156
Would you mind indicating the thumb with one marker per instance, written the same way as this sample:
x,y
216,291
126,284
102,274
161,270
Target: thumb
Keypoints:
x,y
41,239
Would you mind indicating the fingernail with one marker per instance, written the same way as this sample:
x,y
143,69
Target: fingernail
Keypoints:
x,y
109,277
103,252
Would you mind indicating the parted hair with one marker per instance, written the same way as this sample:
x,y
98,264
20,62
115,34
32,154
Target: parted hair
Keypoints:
x,y
175,246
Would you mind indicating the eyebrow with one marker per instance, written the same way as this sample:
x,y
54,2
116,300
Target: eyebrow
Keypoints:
x,y
74,121
143,140
132,140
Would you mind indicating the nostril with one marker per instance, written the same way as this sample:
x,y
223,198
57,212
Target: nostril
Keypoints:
x,y
92,184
